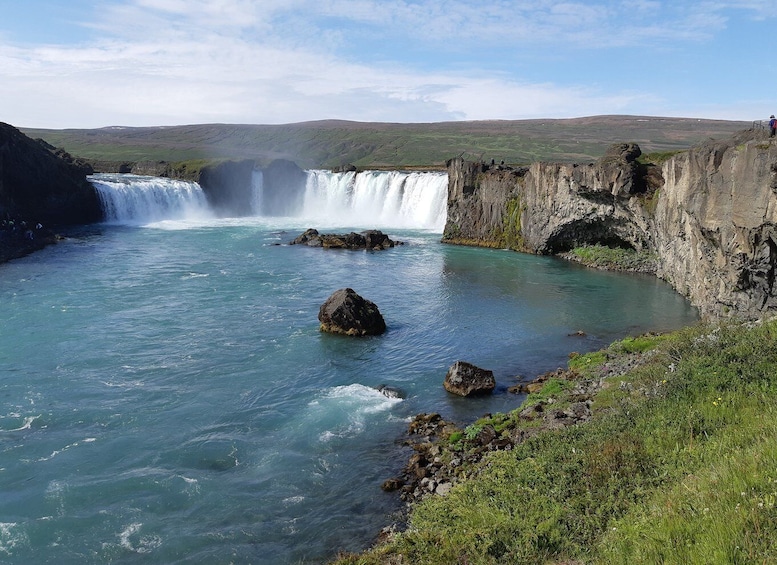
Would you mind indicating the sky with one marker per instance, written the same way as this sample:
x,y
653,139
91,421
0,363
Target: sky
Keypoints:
x,y
88,63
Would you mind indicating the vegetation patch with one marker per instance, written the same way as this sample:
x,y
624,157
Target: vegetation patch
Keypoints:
x,y
512,235
677,465
614,258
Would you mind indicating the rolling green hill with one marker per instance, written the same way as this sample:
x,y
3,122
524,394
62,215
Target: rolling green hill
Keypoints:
x,y
328,144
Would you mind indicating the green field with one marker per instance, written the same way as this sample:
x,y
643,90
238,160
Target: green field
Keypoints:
x,y
328,144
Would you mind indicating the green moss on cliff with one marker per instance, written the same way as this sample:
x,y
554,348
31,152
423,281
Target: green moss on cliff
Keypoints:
x,y
190,170
650,202
512,235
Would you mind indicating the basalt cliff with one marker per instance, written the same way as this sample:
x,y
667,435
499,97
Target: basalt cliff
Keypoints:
x,y
708,215
43,184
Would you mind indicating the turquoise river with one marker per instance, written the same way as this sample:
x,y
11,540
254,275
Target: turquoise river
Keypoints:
x,y
166,395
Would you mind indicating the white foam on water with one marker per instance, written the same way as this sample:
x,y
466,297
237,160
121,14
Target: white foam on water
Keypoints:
x,y
26,424
66,448
343,411
12,536
138,544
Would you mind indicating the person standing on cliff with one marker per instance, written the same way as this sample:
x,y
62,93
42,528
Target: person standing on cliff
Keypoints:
x,y
772,125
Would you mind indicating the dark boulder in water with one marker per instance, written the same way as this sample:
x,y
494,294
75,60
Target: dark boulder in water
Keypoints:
x,y
465,379
374,240
347,313
390,391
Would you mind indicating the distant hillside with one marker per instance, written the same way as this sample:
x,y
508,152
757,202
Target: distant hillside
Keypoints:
x,y
327,144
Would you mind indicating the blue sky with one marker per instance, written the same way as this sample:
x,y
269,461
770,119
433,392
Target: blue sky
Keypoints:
x,y
84,63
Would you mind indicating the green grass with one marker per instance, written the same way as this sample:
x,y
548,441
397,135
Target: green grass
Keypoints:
x,y
329,144
614,258
678,465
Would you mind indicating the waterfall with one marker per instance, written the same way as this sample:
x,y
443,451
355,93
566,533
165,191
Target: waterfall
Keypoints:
x,y
369,199
138,199
257,191
377,199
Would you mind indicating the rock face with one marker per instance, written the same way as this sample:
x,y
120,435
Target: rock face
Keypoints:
x,y
228,187
465,379
347,313
708,215
43,184
374,240
284,188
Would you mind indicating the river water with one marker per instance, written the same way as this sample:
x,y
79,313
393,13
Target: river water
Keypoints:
x,y
166,395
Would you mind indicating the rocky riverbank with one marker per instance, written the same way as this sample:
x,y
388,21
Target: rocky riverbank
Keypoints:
x,y
20,237
445,454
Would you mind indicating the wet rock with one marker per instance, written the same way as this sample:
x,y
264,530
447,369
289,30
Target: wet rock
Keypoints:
x,y
374,240
391,485
465,379
347,313
390,391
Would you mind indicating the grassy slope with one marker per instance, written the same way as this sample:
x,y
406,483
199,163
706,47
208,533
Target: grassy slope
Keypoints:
x,y
678,465
335,143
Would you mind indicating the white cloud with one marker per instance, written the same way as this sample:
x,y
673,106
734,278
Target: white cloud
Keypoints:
x,y
160,62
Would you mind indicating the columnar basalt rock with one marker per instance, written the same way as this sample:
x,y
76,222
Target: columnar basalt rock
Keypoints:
x,y
709,216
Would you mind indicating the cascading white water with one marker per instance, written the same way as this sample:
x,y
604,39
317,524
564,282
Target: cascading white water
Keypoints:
x,y
257,191
139,199
380,198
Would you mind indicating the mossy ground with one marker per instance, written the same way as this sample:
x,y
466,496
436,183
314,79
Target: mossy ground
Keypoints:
x,y
677,465
613,258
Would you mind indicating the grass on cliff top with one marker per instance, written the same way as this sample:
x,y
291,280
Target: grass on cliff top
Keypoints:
x,y
678,465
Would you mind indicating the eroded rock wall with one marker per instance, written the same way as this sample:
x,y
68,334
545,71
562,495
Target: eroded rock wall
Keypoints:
x,y
709,215
715,226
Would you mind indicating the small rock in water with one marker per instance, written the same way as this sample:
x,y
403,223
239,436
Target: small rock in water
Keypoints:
x,y
390,392
465,379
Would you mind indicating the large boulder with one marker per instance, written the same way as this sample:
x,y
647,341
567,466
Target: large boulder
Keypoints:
x,y
465,379
347,313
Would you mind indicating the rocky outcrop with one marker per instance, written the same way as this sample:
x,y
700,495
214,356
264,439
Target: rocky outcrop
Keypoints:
x,y
40,183
708,215
373,240
465,379
228,186
284,188
347,313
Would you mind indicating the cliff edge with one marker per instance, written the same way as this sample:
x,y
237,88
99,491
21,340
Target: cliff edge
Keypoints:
x,y
40,183
708,215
